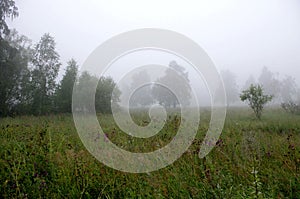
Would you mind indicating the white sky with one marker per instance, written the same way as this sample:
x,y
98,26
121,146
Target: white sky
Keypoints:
x,y
242,36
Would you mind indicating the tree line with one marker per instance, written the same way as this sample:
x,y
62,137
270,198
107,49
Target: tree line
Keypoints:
x,y
157,93
283,90
29,74
29,79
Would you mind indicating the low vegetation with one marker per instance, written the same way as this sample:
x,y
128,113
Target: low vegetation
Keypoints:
x,y
44,158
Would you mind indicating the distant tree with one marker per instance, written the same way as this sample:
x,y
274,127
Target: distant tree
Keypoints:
x,y
9,59
106,95
83,89
231,87
26,93
143,96
7,9
65,89
46,66
23,89
14,57
288,89
290,98
177,77
269,82
256,99
249,81
298,95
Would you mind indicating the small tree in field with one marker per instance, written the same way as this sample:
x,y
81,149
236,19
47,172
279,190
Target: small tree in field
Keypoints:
x,y
256,98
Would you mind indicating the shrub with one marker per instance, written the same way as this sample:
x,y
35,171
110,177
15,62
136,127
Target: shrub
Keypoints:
x,y
291,107
256,98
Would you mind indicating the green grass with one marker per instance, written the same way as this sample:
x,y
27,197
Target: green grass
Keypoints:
x,y
44,158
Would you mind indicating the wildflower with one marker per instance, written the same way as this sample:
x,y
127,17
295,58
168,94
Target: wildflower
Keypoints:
x,y
292,147
45,173
219,142
105,138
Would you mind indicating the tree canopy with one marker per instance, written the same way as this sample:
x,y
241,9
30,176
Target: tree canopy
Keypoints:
x,y
7,9
176,76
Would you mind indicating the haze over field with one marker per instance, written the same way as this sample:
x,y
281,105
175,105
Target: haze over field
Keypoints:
x,y
242,36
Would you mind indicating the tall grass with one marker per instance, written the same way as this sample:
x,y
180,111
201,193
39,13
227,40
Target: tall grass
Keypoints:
x,y
44,158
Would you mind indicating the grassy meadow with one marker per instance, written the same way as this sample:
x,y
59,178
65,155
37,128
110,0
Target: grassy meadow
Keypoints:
x,y
43,157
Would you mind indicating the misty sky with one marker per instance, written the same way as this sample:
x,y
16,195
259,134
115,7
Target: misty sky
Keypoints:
x,y
242,36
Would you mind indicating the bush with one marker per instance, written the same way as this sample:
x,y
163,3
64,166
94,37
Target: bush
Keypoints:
x,y
291,107
256,98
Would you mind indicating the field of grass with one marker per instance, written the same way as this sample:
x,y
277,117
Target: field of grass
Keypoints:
x,y
43,157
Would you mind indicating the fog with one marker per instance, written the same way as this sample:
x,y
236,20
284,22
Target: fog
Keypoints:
x,y
239,36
